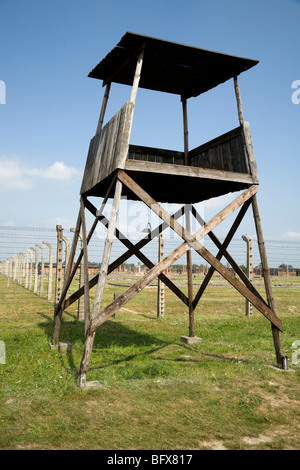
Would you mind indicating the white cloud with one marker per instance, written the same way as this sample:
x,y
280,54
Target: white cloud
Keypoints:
x,y
8,223
293,235
57,171
14,175
219,202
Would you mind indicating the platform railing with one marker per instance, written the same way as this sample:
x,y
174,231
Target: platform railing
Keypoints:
x,y
226,153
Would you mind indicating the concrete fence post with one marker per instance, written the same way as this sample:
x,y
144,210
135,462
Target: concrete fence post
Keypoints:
x,y
30,270
80,312
26,269
161,286
9,270
20,268
49,293
249,265
67,254
42,268
58,281
15,267
35,269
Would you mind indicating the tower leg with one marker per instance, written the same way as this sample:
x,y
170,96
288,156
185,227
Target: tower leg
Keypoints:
x,y
190,279
267,280
101,284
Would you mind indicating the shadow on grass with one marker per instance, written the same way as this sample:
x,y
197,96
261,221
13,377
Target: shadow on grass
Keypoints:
x,y
109,335
127,346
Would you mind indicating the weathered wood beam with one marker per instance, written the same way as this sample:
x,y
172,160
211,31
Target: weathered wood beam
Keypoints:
x,y
103,108
238,100
86,268
237,269
101,284
224,252
137,75
226,242
240,287
188,224
267,281
190,171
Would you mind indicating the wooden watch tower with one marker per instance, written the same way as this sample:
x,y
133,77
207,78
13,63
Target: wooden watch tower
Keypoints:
x,y
114,167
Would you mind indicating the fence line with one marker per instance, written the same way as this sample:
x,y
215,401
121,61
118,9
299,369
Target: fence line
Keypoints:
x,y
25,261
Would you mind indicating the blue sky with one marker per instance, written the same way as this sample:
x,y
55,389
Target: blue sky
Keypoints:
x,y
50,109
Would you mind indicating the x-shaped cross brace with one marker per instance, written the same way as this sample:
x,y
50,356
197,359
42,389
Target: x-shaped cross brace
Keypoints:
x,y
189,241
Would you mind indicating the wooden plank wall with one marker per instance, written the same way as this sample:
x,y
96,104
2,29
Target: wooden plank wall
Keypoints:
x,y
149,154
109,149
225,153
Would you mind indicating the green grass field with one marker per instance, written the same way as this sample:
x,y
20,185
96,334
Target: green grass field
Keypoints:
x,y
156,391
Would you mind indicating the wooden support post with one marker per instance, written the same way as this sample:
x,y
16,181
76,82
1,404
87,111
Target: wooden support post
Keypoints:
x,y
161,286
249,267
50,274
137,76
185,131
246,136
103,108
101,283
42,268
190,280
267,281
86,269
238,100
188,225
80,315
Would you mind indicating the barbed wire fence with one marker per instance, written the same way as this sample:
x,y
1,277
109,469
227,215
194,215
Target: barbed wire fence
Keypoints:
x,y
29,254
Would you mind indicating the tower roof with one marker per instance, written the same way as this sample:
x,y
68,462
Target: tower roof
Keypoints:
x,y
169,67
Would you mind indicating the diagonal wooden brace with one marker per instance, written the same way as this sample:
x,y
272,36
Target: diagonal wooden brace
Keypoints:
x,y
134,250
224,252
226,242
62,304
